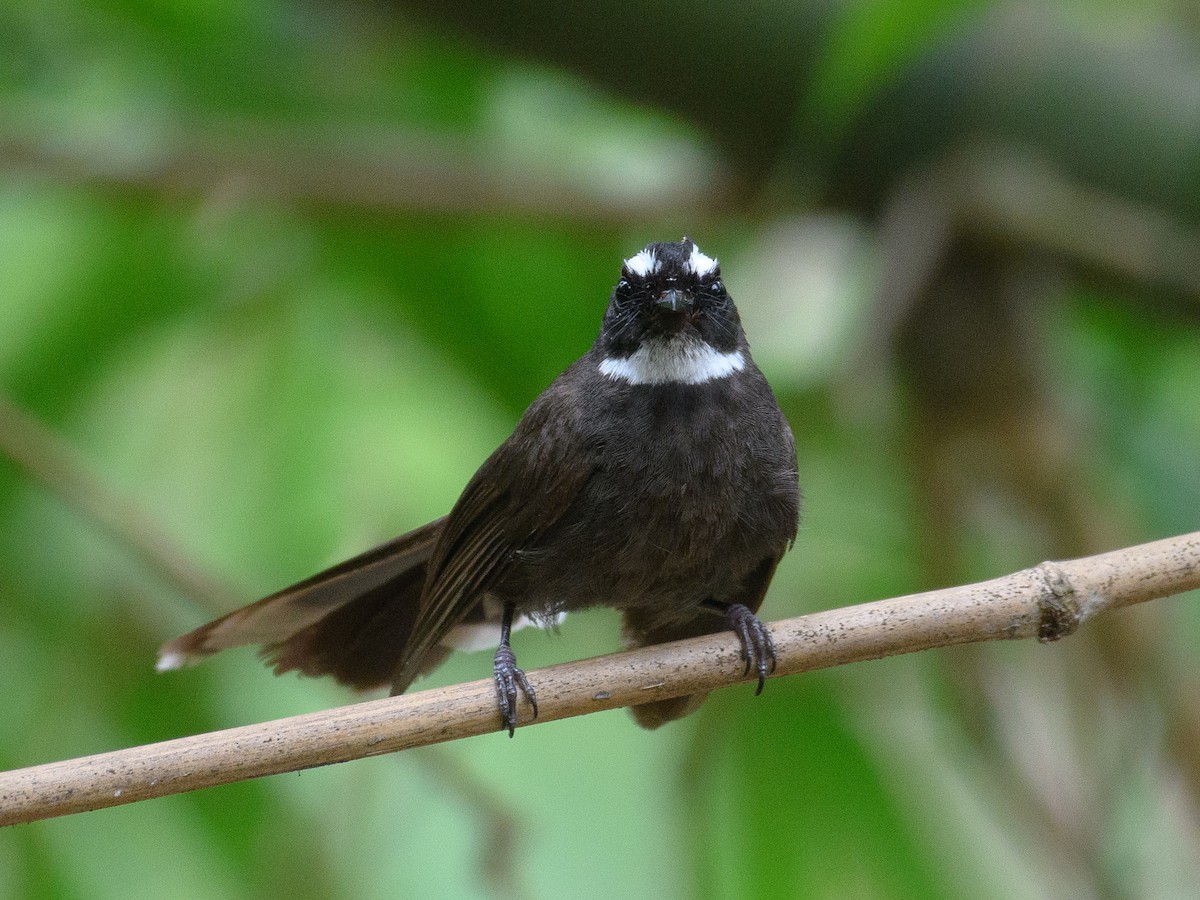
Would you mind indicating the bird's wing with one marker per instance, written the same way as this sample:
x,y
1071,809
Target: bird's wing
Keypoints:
x,y
519,493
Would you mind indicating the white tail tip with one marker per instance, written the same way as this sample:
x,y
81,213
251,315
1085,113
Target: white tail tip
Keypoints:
x,y
168,662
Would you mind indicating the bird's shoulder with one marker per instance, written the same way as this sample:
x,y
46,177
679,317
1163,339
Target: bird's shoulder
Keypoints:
x,y
534,476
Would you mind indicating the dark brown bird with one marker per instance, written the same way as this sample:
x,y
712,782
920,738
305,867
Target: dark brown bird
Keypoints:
x,y
656,475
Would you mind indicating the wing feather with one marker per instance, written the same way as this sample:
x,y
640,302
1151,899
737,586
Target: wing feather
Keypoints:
x,y
517,495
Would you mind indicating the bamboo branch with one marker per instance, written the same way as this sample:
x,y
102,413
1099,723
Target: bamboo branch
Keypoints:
x,y
1048,602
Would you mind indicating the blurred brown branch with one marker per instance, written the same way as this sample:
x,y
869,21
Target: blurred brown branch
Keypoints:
x,y
1048,601
47,459
388,173
1114,115
1013,198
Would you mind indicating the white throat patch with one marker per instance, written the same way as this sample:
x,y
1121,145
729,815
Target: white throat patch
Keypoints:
x,y
679,361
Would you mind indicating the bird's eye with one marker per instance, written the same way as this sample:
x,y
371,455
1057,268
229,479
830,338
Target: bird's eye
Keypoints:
x,y
716,287
623,285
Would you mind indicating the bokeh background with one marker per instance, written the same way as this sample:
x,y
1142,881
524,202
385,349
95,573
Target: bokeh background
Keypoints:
x,y
275,277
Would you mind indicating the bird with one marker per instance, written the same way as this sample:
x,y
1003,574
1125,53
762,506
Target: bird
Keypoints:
x,y
656,475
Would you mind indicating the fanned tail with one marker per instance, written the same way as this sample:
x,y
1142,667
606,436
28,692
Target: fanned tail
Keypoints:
x,y
351,621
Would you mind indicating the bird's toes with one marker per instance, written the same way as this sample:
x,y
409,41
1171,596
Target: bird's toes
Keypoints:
x,y
758,649
509,679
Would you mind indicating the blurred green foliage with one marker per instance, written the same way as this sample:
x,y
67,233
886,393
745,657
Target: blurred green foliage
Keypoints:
x,y
201,294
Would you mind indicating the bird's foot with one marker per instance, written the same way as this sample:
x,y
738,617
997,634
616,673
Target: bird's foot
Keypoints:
x,y
758,650
508,679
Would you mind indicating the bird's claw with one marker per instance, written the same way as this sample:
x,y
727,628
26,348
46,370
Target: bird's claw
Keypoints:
x,y
508,679
758,650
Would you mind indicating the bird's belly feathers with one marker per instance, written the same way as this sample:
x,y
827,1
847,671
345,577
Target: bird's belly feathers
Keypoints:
x,y
683,505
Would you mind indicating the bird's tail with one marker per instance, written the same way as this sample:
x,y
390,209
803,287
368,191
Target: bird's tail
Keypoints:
x,y
351,621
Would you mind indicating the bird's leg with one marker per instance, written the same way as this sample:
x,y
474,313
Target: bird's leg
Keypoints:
x,y
509,677
758,650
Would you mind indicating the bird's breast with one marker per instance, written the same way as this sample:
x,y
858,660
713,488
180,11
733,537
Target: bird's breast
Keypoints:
x,y
689,493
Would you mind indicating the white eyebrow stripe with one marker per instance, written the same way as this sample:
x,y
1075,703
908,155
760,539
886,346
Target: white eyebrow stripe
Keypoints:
x,y
673,362
700,263
643,264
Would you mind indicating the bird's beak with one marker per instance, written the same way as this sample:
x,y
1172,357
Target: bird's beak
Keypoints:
x,y
674,300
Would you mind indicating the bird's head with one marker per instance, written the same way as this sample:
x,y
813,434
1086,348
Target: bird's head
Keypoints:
x,y
670,319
